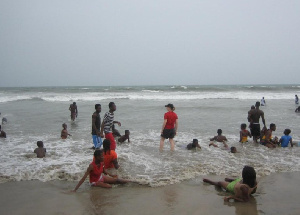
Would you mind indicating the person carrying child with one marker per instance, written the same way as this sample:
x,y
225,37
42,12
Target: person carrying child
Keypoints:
x,y
40,151
244,134
240,188
286,138
125,137
64,132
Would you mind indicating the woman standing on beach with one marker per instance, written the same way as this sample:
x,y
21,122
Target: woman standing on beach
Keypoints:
x,y
169,127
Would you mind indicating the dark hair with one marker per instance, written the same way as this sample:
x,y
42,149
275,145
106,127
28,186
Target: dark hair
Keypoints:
x,y
127,131
257,104
97,105
39,143
106,145
219,131
74,103
272,125
195,141
249,176
232,148
98,152
63,124
111,104
287,131
243,125
252,107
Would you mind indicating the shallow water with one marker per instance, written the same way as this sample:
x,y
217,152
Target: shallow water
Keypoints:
x,y
37,114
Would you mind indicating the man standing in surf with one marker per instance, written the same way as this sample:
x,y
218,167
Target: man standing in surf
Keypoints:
x,y
96,124
74,111
108,121
254,116
169,127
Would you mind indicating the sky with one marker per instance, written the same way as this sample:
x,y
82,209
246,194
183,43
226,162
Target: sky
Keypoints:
x,y
157,42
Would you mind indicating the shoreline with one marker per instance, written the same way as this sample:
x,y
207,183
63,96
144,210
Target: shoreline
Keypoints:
x,y
276,194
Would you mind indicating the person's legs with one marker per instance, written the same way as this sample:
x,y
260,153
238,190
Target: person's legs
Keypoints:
x,y
110,180
172,144
162,140
222,184
99,142
111,138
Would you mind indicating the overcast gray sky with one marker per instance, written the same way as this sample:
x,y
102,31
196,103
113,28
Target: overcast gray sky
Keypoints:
x,y
154,42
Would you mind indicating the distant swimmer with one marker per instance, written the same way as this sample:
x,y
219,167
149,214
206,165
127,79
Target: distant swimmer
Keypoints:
x,y
64,132
263,101
40,151
193,145
96,170
125,137
2,133
253,117
240,188
219,138
169,127
297,109
244,134
296,100
74,111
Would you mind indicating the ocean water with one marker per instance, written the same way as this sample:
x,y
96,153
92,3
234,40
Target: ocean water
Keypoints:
x,y
37,114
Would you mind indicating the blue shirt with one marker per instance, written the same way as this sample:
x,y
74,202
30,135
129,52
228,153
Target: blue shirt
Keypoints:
x,y
285,140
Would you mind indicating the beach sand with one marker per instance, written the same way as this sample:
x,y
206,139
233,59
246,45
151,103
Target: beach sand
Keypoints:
x,y
276,194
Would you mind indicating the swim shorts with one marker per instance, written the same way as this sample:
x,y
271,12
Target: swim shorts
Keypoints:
x,y
97,141
255,129
101,179
230,186
168,133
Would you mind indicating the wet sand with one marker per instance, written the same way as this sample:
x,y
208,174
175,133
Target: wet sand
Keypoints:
x,y
276,194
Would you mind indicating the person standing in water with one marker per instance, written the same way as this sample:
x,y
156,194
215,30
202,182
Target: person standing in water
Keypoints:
x,y
263,101
96,124
254,116
296,100
169,127
106,127
74,111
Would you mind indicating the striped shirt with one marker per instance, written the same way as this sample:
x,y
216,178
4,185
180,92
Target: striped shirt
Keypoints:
x,y
108,120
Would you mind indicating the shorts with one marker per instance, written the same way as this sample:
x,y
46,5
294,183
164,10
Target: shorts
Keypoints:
x,y
168,133
101,179
230,186
97,141
111,138
255,129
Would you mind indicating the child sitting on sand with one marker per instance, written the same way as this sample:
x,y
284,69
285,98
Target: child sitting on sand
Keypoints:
x,y
125,137
96,170
244,134
40,151
64,132
240,188
193,145
286,138
219,138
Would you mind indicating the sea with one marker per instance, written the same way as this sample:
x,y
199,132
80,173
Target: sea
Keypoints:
x,y
37,113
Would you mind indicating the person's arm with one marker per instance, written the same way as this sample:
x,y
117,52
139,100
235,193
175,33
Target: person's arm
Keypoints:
x,y
76,110
70,108
263,118
212,139
163,126
245,196
128,140
249,134
291,141
176,126
119,124
241,136
89,169
116,164
94,124
102,127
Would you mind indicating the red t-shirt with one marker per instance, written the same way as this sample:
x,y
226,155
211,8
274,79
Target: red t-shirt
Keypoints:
x,y
171,118
96,173
108,159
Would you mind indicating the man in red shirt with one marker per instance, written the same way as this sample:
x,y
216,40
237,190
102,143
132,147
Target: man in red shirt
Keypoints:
x,y
169,127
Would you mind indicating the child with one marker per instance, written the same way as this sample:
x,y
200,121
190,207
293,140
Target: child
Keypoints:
x,y
286,139
64,132
110,156
40,151
267,140
240,188
96,170
233,149
219,138
124,137
193,145
2,133
244,133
